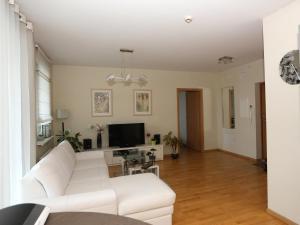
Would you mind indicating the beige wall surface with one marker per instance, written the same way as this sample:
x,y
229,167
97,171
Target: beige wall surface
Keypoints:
x,y
72,90
281,35
242,139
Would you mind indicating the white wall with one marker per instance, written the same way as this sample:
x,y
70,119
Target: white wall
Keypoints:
x,y
72,90
283,114
242,139
182,117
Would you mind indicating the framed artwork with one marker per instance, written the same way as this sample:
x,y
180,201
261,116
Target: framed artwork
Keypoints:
x,y
142,102
102,102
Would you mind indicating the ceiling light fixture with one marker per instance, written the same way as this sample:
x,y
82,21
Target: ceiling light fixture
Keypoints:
x,y
124,76
188,19
226,60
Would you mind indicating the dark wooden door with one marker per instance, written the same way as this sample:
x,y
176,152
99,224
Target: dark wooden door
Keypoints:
x,y
263,120
194,114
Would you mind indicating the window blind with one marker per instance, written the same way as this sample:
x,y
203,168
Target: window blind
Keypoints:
x,y
43,89
43,98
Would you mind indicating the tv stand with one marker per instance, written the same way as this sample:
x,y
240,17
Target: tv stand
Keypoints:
x,y
114,156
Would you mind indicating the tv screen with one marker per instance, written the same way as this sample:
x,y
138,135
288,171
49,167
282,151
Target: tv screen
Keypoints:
x,y
126,135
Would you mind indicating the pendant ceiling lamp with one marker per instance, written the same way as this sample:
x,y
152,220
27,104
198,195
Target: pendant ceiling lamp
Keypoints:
x,y
124,76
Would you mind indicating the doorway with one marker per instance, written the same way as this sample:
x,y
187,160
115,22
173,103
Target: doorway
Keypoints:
x,y
190,118
261,123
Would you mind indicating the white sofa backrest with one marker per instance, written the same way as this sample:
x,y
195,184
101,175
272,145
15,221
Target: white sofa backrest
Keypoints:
x,y
51,175
65,155
31,188
69,153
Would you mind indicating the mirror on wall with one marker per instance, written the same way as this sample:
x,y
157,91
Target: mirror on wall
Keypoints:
x,y
228,107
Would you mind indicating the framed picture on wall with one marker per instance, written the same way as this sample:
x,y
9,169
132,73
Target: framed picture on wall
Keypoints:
x,y
101,102
142,102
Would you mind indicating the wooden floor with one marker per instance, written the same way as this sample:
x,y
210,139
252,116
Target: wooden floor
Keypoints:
x,y
214,188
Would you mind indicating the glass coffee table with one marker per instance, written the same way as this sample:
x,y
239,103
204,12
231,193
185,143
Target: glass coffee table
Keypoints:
x,y
139,163
137,169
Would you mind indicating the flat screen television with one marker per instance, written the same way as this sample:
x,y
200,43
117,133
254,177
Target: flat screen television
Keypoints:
x,y
126,135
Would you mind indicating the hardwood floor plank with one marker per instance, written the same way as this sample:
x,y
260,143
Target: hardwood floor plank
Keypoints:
x,y
215,188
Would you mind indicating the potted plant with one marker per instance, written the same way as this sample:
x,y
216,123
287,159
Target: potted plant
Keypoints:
x,y
174,142
73,140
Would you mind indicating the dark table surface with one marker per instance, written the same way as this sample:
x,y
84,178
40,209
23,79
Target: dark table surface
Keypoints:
x,y
86,218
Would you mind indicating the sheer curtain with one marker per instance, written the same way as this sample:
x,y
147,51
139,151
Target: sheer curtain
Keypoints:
x,y
15,110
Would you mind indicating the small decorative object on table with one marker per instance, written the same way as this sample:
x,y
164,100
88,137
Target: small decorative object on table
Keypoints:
x,y
174,142
87,143
153,141
99,140
100,130
148,138
151,155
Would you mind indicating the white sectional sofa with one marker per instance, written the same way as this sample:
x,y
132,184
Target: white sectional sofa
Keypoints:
x,y
69,181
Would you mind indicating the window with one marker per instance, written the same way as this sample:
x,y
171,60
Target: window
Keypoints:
x,y
43,94
43,98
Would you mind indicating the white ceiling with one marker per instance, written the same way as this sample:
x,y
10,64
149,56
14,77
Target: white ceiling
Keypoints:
x,y
91,32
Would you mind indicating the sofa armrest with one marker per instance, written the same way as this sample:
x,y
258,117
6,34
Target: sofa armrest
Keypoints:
x,y
89,155
104,201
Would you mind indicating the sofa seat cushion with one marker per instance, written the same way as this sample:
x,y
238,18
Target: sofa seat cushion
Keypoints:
x,y
89,174
87,186
90,163
141,192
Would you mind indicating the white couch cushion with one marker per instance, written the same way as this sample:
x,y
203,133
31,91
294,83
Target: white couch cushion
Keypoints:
x,y
89,155
89,174
97,201
90,163
141,192
87,186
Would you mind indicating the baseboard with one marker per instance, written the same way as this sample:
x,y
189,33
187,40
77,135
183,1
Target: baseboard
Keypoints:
x,y
280,217
238,155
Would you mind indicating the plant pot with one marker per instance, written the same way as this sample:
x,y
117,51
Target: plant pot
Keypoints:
x,y
175,156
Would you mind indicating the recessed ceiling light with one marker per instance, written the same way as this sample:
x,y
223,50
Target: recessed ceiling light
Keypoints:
x,y
188,19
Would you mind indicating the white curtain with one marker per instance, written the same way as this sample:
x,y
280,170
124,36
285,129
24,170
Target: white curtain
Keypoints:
x,y
28,99
15,109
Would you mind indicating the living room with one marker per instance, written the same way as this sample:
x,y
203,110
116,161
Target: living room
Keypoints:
x,y
83,67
